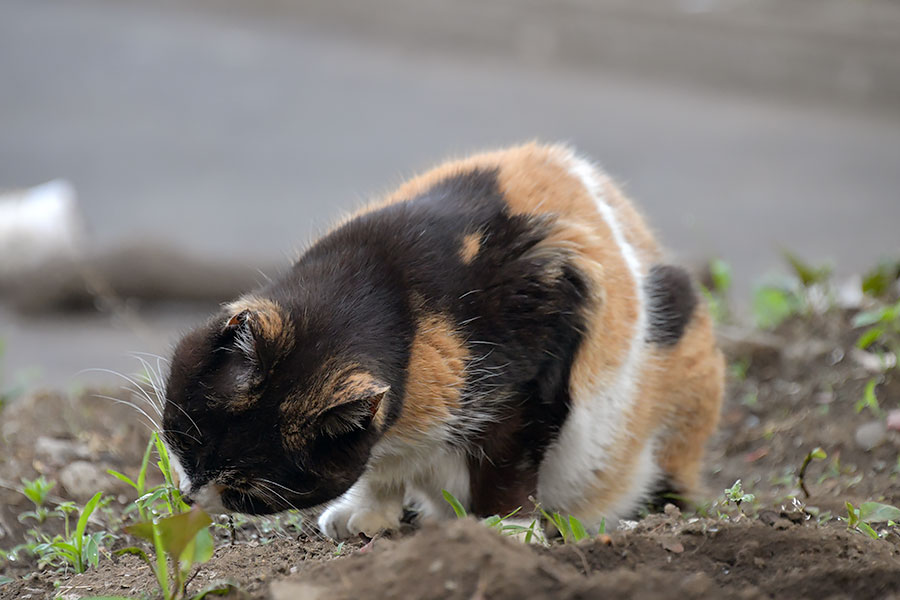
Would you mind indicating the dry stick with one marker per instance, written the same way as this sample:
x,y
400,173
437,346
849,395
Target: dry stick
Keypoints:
x,y
802,473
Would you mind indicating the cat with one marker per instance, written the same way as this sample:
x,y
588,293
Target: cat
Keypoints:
x,y
503,327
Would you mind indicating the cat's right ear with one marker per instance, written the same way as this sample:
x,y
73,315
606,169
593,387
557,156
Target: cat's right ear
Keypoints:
x,y
356,401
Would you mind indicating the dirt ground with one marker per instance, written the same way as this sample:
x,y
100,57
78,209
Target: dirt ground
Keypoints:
x,y
789,392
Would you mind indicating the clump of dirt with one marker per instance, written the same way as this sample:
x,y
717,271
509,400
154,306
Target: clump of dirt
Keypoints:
x,y
790,391
663,557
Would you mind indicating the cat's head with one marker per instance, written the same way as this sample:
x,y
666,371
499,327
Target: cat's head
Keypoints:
x,y
265,413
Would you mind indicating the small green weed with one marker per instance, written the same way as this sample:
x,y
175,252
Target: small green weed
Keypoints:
x,y
737,496
163,499
77,549
717,296
808,290
859,518
882,333
37,491
815,454
181,542
878,281
569,528
870,400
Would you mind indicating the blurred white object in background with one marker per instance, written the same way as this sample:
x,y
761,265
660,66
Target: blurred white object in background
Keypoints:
x,y
37,226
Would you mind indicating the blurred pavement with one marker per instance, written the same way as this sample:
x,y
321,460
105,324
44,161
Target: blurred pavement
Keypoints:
x,y
238,133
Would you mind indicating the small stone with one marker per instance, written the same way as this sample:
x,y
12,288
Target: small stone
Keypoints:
x,y
290,590
871,434
671,510
83,479
673,546
58,452
436,566
893,420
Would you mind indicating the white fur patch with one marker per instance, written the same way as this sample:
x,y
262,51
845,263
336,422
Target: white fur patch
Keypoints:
x,y
597,416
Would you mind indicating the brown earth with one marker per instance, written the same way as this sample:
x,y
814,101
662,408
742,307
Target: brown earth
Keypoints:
x,y
790,392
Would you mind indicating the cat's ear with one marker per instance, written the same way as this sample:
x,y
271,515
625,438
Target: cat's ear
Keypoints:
x,y
357,401
257,328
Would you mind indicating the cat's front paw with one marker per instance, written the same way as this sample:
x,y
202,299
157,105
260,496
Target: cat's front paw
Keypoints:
x,y
346,520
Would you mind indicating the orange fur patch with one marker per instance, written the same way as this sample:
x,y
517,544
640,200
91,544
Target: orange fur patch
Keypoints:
x,y
470,247
435,378
678,402
267,319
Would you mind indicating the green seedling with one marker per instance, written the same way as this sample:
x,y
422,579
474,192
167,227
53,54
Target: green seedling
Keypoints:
x,y
808,274
736,495
497,522
882,333
859,518
570,529
717,295
4,580
807,290
773,304
163,499
815,454
181,542
879,280
455,504
870,400
37,491
77,549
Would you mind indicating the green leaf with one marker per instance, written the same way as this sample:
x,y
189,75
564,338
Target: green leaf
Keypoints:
x,y
454,504
217,588
122,477
145,461
869,399
878,281
199,550
865,528
135,551
874,512
869,317
578,531
771,306
808,274
818,454
85,515
869,337
720,271
4,579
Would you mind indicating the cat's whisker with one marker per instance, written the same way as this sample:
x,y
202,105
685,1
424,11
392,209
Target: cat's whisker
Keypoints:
x,y
135,407
190,418
155,379
137,394
179,432
123,376
284,487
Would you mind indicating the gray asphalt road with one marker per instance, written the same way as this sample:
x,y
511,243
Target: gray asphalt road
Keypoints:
x,y
242,138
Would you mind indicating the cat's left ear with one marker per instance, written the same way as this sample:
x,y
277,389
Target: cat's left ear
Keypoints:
x,y
258,329
357,400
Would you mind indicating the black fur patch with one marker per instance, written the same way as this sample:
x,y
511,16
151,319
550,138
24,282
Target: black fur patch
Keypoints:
x,y
356,296
665,492
672,300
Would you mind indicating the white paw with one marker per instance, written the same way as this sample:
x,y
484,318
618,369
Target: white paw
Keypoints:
x,y
349,520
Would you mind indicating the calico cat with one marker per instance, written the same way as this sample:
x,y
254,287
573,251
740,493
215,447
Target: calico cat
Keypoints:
x,y
503,327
